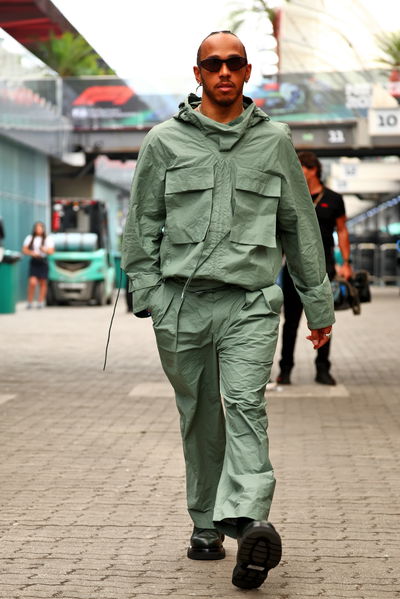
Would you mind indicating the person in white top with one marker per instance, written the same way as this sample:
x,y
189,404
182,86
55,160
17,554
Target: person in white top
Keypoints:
x,y
38,246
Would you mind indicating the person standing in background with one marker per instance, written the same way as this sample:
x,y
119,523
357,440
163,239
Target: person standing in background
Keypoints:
x,y
38,246
331,215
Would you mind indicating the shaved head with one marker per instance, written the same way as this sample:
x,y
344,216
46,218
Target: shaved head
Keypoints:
x,y
225,32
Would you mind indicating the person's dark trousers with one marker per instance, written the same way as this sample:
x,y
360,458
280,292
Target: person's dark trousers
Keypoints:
x,y
293,308
129,300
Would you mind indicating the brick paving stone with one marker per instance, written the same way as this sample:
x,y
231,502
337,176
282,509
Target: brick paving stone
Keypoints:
x,y
92,487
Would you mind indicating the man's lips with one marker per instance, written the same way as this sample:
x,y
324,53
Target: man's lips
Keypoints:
x,y
225,86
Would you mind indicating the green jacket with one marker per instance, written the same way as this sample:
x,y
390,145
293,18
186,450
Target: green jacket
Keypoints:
x,y
220,202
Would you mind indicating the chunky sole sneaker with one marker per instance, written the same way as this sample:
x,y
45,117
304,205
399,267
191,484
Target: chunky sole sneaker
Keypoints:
x,y
260,550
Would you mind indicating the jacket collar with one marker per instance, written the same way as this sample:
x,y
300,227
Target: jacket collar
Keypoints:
x,y
226,135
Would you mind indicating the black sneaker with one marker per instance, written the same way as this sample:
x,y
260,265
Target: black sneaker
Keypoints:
x,y
284,378
324,377
206,543
260,550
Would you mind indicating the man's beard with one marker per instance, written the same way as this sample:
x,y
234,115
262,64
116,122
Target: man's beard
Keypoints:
x,y
228,101
225,101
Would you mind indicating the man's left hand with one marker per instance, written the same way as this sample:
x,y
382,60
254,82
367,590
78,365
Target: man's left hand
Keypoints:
x,y
319,337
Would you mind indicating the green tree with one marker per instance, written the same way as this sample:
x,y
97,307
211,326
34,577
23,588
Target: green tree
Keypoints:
x,y
263,9
260,7
70,56
389,44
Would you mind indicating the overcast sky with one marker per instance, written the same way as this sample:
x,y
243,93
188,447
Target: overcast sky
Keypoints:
x,y
154,42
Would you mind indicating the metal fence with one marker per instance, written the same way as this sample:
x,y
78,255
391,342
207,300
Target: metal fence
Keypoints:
x,y
30,113
381,261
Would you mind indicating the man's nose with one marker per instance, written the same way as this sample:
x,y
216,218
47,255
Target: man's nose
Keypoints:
x,y
224,71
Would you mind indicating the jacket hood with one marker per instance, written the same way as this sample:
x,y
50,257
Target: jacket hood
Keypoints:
x,y
226,135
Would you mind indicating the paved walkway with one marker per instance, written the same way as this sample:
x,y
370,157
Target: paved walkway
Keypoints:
x,y
91,471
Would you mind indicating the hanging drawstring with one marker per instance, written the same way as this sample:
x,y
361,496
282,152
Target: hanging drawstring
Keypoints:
x,y
189,280
112,320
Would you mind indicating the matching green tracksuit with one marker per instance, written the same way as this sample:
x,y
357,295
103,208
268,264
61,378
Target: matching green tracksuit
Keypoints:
x,y
213,207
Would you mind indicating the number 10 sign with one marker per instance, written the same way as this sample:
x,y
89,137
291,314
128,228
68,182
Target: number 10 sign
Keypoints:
x,y
384,121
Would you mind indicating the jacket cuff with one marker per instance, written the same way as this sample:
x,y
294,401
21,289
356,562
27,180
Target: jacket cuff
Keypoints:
x,y
141,287
143,281
318,305
141,301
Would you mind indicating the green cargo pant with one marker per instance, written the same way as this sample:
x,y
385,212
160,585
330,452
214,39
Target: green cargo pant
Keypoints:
x,y
220,341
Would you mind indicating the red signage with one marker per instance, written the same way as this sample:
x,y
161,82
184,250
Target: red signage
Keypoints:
x,y
117,95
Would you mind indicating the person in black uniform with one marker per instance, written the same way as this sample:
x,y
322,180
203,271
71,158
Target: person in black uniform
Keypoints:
x,y
331,214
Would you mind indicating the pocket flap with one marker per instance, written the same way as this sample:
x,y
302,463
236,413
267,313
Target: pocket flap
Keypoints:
x,y
264,184
189,179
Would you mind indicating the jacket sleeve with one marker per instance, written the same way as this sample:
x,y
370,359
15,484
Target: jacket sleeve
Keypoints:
x,y
143,228
300,235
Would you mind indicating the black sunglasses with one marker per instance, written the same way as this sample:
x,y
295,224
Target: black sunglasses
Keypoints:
x,y
234,63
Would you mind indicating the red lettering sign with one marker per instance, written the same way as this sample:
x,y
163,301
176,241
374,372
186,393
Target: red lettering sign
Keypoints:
x,y
116,94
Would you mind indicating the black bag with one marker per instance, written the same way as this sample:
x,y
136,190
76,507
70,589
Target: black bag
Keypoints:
x,y
345,295
361,283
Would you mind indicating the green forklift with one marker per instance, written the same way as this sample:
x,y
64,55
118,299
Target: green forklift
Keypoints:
x,y
82,268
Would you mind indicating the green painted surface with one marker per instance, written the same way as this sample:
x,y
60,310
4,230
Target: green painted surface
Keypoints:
x,y
8,287
24,198
96,267
108,193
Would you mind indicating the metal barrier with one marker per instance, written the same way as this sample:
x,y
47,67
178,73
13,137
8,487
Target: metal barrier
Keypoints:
x,y
380,261
365,258
389,269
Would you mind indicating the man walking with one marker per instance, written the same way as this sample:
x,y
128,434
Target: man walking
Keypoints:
x,y
218,192
331,215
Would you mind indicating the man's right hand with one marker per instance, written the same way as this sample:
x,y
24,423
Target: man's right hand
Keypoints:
x,y
346,271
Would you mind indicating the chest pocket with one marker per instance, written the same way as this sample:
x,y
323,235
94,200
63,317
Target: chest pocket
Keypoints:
x,y
256,202
188,199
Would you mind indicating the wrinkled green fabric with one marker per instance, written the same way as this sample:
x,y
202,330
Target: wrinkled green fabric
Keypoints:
x,y
220,202
213,206
225,343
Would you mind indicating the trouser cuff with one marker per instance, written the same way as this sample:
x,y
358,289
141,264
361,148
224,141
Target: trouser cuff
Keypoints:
x,y
202,519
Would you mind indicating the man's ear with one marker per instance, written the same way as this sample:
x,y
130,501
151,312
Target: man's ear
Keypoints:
x,y
197,74
247,72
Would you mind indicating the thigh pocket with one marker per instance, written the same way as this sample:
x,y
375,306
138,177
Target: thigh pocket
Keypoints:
x,y
188,199
273,297
256,202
